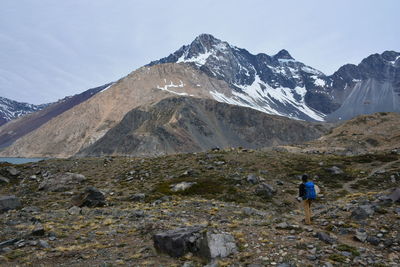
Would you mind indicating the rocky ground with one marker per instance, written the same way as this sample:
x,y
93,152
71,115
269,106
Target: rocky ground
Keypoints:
x,y
238,207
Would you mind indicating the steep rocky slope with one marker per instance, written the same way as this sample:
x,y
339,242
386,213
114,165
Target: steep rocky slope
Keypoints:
x,y
188,124
10,109
17,128
372,86
84,124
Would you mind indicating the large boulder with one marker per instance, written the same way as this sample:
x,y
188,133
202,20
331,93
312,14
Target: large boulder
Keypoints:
x,y
62,182
196,240
178,242
91,197
9,203
217,245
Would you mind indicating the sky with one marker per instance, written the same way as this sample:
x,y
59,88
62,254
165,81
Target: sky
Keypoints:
x,y
51,49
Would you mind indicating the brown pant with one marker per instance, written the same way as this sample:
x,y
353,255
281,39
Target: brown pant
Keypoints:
x,y
307,210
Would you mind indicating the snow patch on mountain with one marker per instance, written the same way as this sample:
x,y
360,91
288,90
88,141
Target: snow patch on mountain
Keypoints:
x,y
261,96
318,81
172,85
200,60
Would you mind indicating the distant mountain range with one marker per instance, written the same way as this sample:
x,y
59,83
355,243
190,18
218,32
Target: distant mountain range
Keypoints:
x,y
281,85
143,113
10,109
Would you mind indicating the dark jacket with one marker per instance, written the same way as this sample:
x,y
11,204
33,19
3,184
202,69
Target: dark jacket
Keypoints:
x,y
302,191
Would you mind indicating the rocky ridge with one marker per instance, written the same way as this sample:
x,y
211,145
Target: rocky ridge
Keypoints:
x,y
281,85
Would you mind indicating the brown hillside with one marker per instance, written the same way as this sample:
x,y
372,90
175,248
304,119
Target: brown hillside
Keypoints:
x,y
367,133
84,124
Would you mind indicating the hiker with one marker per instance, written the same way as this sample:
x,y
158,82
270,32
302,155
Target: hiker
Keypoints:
x,y
307,194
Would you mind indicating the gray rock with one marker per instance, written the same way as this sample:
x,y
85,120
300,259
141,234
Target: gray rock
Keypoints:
x,y
182,186
137,197
395,195
188,264
178,242
219,245
9,203
335,170
44,244
362,212
91,197
346,254
4,180
282,225
74,210
62,182
12,171
325,238
373,240
253,179
9,242
361,235
31,209
252,211
265,191
196,240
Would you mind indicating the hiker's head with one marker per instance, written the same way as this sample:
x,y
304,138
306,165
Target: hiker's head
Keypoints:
x,y
304,178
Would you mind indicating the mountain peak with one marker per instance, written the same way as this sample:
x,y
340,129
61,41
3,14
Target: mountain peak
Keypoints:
x,y
283,54
205,42
206,37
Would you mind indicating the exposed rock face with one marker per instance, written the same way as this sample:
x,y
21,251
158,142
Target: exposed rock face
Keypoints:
x,y
26,124
189,125
9,203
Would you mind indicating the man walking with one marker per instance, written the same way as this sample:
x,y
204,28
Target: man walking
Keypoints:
x,y
307,194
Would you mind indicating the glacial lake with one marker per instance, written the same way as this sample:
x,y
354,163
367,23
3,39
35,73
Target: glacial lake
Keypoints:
x,y
20,160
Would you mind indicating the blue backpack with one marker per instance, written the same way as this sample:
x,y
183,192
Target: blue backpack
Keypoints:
x,y
310,191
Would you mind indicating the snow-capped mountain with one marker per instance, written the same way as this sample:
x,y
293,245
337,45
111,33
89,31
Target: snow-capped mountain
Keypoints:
x,y
10,109
275,84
